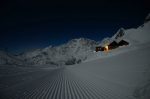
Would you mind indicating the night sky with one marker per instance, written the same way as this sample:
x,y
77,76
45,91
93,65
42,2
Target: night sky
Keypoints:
x,y
27,24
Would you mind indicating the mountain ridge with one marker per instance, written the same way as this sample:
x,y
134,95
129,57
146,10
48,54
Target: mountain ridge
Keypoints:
x,y
77,50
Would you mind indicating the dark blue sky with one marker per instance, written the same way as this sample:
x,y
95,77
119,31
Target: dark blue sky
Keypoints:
x,y
27,24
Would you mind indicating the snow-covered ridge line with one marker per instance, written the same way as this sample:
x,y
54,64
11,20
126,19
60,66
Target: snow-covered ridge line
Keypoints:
x,y
70,53
79,50
8,58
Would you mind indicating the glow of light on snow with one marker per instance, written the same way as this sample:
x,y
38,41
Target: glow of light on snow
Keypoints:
x,y
106,47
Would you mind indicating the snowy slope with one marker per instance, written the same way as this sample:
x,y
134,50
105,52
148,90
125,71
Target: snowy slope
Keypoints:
x,y
72,52
123,76
7,58
122,73
139,35
129,70
78,50
134,36
127,66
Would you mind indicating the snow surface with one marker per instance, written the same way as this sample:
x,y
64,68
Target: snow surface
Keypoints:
x,y
122,73
114,77
139,35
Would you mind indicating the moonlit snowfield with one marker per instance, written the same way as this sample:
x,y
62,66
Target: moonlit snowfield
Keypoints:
x,y
122,73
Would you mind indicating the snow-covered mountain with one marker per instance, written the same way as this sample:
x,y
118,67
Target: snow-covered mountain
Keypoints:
x,y
134,36
70,53
120,73
8,58
78,50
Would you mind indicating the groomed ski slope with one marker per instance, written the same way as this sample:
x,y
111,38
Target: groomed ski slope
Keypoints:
x,y
114,77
